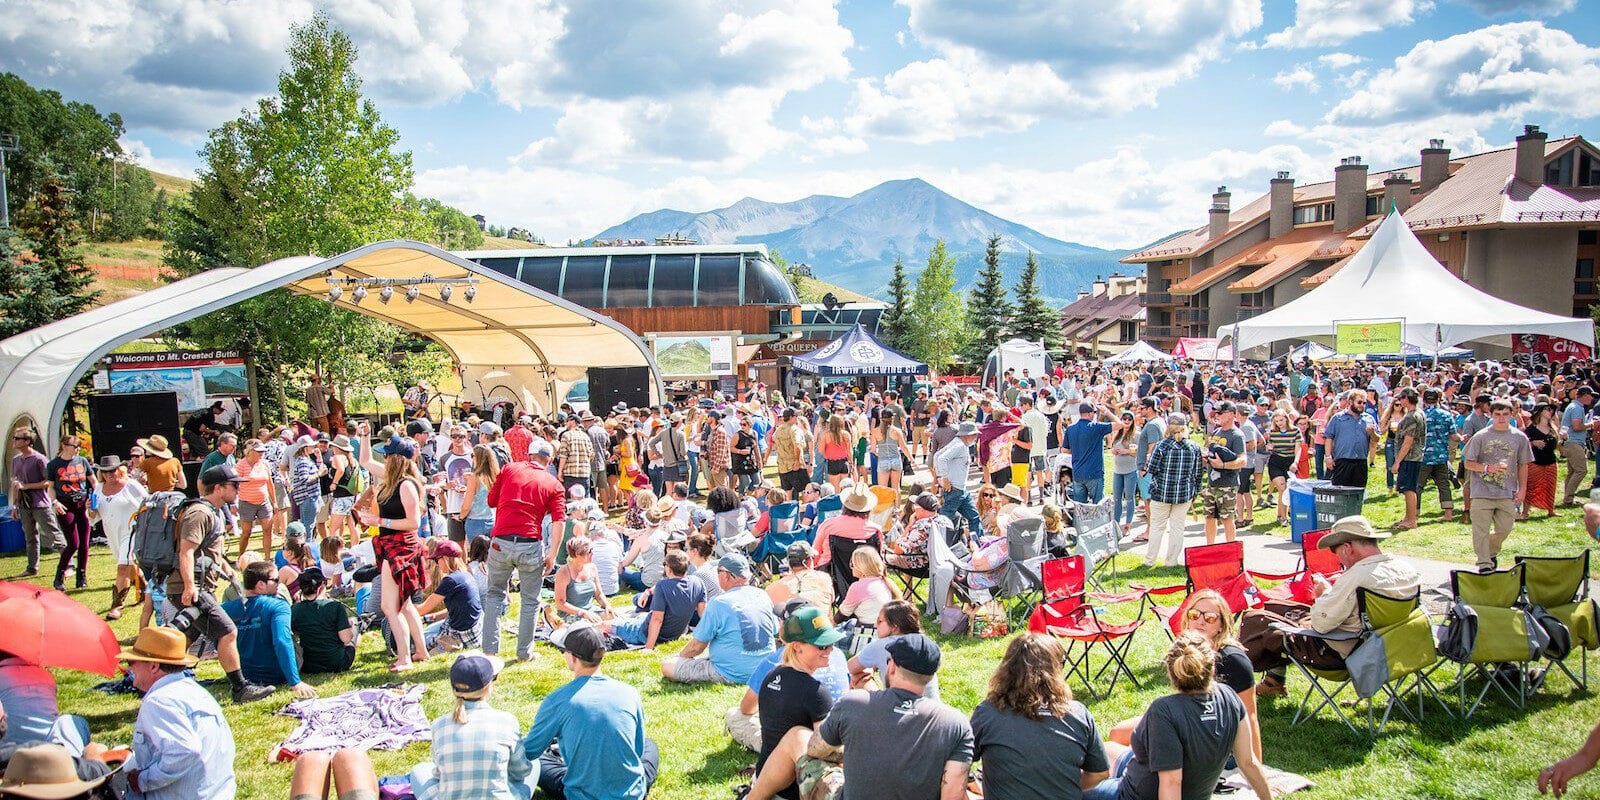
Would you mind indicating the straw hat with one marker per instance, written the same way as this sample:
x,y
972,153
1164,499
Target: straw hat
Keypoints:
x,y
44,772
1011,491
156,446
860,499
161,645
663,510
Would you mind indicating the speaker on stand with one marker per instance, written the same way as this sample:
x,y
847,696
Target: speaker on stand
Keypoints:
x,y
118,421
611,385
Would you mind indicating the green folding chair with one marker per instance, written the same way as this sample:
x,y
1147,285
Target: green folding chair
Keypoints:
x,y
1394,657
1502,638
1561,585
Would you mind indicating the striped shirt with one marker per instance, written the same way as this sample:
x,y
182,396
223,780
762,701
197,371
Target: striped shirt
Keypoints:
x,y
1282,443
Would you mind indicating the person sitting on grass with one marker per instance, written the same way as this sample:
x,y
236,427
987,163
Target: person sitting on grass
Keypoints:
x,y
897,618
702,549
893,743
1208,615
791,697
266,648
674,601
327,639
454,611
1034,739
738,628
477,749
577,588
598,724
649,545
743,721
348,772
1182,743
801,580
48,771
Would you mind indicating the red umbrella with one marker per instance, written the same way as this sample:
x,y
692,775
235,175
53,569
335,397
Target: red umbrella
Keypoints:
x,y
76,637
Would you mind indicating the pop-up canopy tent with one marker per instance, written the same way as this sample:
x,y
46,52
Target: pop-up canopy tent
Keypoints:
x,y
854,354
1139,351
1395,277
511,334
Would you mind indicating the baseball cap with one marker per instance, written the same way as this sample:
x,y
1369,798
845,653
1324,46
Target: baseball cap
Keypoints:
x,y
915,653
734,564
540,447
1086,408
447,549
310,581
220,474
473,672
582,641
488,428
800,552
417,426
810,625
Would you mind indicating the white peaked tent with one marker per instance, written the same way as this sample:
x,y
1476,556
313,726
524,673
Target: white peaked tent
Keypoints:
x,y
1140,351
1395,277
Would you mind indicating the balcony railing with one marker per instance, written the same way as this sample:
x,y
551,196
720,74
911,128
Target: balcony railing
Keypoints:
x,y
1246,313
1158,298
1165,331
1192,316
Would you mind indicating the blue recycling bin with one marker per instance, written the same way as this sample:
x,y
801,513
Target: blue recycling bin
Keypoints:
x,y
1303,506
11,539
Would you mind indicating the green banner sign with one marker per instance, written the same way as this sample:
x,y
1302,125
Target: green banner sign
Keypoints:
x,y
1371,336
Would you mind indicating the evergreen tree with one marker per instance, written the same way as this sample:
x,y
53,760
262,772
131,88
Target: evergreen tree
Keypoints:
x,y
1035,320
50,282
893,324
937,322
988,311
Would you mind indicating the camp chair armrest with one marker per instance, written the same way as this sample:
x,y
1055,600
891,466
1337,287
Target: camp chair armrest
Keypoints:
x,y
1163,590
1271,576
1333,636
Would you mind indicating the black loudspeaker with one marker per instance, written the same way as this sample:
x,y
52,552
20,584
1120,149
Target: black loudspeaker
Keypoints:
x,y
118,420
611,385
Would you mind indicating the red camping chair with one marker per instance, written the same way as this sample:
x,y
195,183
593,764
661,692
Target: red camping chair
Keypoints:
x,y
1313,561
1066,614
1217,566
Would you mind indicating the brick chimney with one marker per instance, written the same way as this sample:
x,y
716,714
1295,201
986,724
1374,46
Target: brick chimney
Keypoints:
x,y
1530,155
1435,164
1349,193
1219,212
1280,220
1396,193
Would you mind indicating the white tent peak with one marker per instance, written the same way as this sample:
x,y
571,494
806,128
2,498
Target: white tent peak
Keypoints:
x,y
1139,351
1395,277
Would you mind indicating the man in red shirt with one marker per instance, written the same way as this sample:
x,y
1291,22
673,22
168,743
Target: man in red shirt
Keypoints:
x,y
518,437
523,496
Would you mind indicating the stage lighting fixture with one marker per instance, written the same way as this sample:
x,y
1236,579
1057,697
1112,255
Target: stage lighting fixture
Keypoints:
x,y
385,294
412,293
334,293
471,292
444,292
359,294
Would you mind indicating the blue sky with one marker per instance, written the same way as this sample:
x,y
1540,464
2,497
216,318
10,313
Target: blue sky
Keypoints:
x,y
1102,123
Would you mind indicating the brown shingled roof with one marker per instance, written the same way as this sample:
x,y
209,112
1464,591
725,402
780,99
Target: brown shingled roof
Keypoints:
x,y
1287,253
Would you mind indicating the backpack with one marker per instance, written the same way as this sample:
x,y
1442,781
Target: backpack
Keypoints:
x,y
356,479
155,535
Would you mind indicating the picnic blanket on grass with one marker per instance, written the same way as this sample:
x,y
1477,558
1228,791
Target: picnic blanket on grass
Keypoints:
x,y
386,718
1282,783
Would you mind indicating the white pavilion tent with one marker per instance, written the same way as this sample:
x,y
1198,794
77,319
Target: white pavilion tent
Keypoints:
x,y
1139,351
1395,277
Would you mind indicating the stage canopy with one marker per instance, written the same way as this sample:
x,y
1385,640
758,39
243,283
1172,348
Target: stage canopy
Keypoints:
x,y
1395,278
1140,351
856,354
511,334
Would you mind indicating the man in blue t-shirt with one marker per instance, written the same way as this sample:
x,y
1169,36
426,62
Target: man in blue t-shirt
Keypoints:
x,y
598,724
1575,422
674,601
738,629
1085,440
266,647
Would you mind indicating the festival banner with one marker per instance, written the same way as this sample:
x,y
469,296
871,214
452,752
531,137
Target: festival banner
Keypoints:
x,y
1367,336
1553,348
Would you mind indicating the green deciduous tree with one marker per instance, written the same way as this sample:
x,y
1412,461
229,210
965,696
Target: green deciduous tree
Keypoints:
x,y
314,170
988,311
1035,319
893,326
57,140
937,322
450,227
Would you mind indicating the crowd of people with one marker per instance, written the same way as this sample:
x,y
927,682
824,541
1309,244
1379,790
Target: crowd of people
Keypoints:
x,y
783,587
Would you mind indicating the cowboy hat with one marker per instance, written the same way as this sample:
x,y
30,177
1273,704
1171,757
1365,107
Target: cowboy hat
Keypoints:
x,y
1349,529
860,499
155,446
44,772
342,442
161,645
1011,491
108,463
967,429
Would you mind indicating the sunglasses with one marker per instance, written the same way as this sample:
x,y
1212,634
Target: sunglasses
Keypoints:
x,y
1210,617
22,438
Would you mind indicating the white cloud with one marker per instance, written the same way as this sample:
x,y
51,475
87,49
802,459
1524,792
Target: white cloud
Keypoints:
x,y
1498,73
1002,68
1298,77
1339,60
1536,8
1323,23
732,127
139,153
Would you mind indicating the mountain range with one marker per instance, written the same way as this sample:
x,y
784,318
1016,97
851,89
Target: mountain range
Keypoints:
x,y
854,241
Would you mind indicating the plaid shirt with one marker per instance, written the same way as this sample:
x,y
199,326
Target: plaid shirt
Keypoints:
x,y
719,452
577,454
479,760
1174,470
